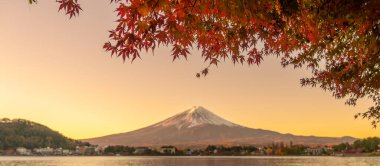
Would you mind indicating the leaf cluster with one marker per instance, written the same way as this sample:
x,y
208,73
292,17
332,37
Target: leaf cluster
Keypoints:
x,y
338,41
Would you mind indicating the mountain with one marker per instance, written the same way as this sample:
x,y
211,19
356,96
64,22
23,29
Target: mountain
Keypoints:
x,y
23,133
199,127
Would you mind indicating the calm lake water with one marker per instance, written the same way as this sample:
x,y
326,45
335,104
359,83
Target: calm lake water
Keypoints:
x,y
187,161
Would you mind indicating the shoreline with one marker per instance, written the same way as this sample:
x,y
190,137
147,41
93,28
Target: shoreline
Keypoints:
x,y
145,156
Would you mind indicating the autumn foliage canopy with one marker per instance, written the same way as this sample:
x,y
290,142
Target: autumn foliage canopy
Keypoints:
x,y
337,40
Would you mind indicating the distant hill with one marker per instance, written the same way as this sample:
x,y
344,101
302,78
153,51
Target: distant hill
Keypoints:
x,y
200,127
23,133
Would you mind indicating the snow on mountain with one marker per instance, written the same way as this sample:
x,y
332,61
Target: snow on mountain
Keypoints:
x,y
195,116
199,127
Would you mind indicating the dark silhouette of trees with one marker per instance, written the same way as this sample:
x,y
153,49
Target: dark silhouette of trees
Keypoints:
x,y
22,133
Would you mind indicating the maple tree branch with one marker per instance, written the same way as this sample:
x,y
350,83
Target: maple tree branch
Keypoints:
x,y
334,34
154,6
193,5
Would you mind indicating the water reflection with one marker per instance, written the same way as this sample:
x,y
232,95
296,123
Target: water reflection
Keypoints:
x,y
187,161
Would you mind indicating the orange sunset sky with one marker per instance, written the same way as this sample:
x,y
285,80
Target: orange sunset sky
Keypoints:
x,y
54,71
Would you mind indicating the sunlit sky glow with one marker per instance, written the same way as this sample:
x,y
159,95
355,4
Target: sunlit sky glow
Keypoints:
x,y
54,71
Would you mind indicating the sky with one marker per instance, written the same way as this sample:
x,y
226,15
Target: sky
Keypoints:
x,y
54,71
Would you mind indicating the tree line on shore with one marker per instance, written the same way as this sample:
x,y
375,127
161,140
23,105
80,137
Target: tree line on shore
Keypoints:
x,y
368,145
275,149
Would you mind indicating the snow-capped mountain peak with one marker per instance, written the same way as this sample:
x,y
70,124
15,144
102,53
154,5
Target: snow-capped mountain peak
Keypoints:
x,y
199,127
195,116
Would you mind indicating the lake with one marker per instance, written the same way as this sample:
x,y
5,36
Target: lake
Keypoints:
x,y
187,161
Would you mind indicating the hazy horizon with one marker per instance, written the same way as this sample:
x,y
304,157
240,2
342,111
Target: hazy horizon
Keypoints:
x,y
54,71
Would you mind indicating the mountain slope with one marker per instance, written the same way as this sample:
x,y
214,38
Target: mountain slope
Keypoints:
x,y
193,117
198,126
23,133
